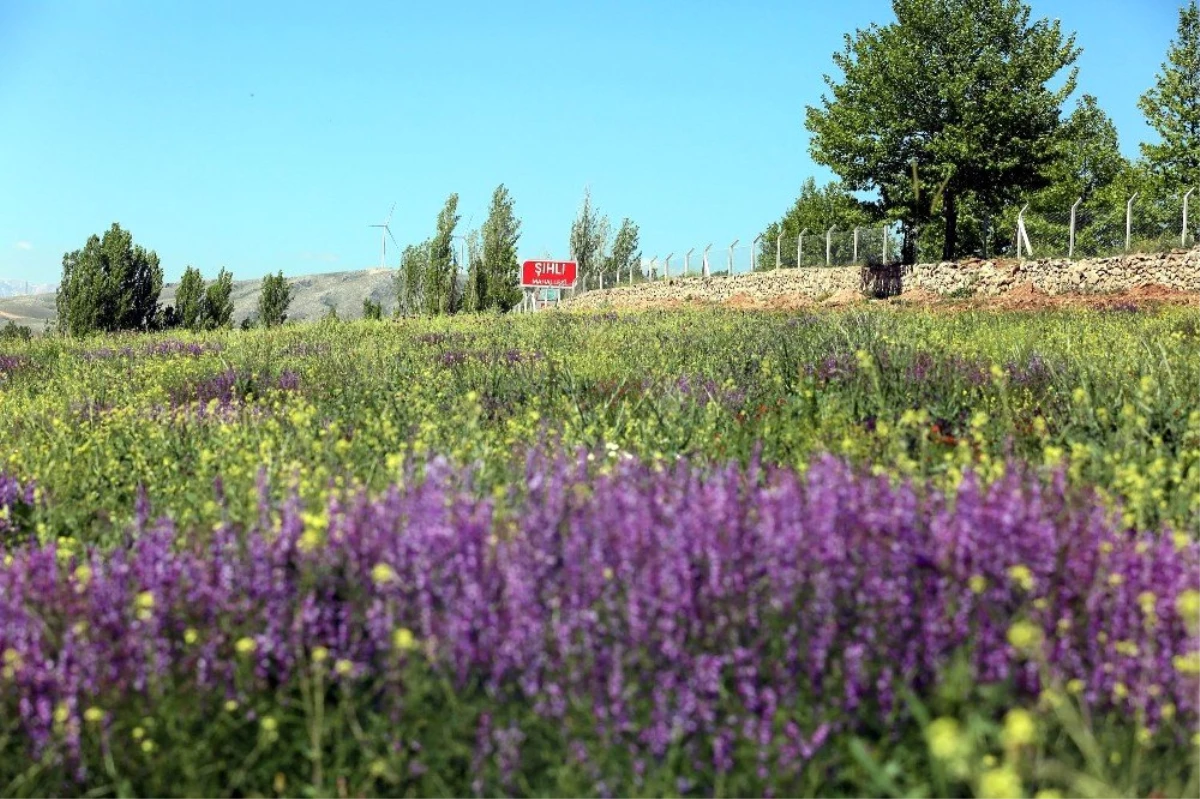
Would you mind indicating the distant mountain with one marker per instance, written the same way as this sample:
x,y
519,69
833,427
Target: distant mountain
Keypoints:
x,y
21,288
313,296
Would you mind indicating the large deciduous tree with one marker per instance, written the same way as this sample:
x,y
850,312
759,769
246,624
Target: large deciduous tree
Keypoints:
x,y
1172,107
501,270
960,88
111,284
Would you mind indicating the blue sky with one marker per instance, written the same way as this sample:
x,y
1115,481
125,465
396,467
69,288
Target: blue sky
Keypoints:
x,y
265,136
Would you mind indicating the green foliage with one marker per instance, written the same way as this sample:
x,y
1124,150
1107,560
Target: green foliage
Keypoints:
x,y
815,210
274,300
976,119
189,298
372,310
14,332
589,236
625,257
109,285
441,271
410,279
499,271
217,309
1172,108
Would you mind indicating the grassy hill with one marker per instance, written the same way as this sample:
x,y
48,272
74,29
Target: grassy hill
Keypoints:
x,y
313,296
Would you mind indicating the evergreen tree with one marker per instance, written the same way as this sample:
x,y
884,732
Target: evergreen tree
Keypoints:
x,y
189,298
274,300
1172,107
501,271
111,284
955,89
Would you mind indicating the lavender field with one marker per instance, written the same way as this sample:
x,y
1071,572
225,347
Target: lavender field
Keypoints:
x,y
702,554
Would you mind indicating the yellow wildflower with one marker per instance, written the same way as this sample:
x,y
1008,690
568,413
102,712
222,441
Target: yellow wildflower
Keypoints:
x,y
1000,783
1187,664
137,733
1187,605
383,574
403,639
1025,636
1167,711
1020,729
147,746
269,724
1120,691
343,667
61,713
1075,686
1126,648
93,715
319,654
190,635
1022,576
946,740
245,646
1115,579
231,705
977,583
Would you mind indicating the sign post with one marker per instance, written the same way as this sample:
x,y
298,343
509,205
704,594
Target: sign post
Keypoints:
x,y
539,275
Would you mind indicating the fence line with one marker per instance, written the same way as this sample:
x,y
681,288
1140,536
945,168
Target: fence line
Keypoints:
x,y
1086,229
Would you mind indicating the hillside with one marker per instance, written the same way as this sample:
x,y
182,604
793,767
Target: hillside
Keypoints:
x,y
314,296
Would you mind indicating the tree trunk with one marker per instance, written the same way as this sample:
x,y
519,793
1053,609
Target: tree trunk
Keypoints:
x,y
950,242
909,252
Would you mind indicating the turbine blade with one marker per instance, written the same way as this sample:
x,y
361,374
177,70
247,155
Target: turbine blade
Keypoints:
x,y
389,217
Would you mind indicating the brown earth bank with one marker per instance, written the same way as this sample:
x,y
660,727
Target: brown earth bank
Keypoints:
x,y
1136,280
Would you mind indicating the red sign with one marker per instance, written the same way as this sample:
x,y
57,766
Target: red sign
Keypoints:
x,y
550,274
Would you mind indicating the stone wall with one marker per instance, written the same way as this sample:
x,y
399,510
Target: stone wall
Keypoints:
x,y
1177,269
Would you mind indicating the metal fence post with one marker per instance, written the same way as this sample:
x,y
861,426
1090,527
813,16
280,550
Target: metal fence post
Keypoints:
x,y
654,268
1129,220
800,249
855,244
731,246
667,267
754,252
706,271
1183,235
687,261
779,252
885,238
1071,246
1021,234
829,244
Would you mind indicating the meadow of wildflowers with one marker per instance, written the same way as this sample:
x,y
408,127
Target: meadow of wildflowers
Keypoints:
x,y
705,553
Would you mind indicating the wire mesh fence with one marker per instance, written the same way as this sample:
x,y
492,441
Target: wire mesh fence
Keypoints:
x,y
1090,228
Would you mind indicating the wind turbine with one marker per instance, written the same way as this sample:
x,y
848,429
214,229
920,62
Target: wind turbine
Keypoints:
x,y
384,235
